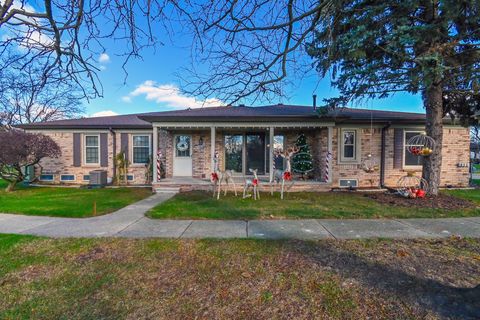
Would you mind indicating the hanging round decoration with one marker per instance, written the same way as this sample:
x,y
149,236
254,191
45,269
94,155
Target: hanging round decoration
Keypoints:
x,y
421,145
411,186
182,146
370,164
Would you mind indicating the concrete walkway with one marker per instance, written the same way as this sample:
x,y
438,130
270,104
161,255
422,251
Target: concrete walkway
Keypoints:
x,y
131,222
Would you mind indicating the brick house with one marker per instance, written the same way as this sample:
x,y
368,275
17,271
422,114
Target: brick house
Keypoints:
x,y
246,137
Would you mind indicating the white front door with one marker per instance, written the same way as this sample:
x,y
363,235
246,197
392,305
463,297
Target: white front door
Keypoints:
x,y
182,157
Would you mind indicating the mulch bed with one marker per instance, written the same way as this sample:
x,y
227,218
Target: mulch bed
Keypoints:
x,y
442,201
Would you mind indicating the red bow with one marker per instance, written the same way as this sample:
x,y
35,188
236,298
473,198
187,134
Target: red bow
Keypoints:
x,y
255,182
287,176
214,177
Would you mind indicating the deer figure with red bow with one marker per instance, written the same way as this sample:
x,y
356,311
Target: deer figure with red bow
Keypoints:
x,y
218,177
283,176
252,183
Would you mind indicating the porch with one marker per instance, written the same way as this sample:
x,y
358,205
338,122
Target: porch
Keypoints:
x,y
185,153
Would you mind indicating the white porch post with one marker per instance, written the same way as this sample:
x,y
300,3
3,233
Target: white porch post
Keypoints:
x,y
330,152
270,164
212,148
155,153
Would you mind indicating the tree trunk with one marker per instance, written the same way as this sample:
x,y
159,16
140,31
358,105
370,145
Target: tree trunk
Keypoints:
x,y
11,186
434,128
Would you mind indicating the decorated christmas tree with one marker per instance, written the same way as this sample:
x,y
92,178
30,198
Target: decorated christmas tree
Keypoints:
x,y
302,161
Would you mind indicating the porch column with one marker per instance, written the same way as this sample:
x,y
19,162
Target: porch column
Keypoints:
x,y
155,154
270,164
212,148
330,153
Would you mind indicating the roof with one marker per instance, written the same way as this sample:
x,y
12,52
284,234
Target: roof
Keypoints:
x,y
233,114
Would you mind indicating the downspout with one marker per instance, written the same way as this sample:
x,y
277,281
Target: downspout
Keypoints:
x,y
383,154
114,143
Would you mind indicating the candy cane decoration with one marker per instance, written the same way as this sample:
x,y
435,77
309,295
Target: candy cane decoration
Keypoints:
x,y
327,166
159,160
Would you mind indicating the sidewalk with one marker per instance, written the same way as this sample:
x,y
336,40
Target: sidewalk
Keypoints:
x,y
130,222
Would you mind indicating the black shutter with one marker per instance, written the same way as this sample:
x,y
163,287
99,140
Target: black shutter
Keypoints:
x,y
398,148
124,144
104,150
77,150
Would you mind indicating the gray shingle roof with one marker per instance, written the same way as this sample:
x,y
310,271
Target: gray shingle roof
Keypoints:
x,y
233,114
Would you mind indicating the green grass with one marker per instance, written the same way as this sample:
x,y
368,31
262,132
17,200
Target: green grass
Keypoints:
x,y
67,202
201,205
44,278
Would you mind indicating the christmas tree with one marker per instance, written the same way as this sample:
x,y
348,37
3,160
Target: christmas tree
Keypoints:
x,y
302,160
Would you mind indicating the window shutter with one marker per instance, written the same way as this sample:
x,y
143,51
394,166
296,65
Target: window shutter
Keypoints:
x,y
124,144
77,149
398,148
104,150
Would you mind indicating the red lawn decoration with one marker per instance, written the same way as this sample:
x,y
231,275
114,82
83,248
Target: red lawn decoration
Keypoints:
x,y
255,182
214,177
287,176
420,193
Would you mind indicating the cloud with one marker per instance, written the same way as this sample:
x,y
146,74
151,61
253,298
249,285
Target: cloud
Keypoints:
x,y
169,95
104,58
104,113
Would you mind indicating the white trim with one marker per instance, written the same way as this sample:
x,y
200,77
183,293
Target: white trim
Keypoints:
x,y
270,151
66,174
264,125
131,149
404,151
84,150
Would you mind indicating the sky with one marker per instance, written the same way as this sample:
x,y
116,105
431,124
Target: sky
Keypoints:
x,y
152,84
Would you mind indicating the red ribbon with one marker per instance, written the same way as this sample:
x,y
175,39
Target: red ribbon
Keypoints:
x,y
287,176
214,177
255,182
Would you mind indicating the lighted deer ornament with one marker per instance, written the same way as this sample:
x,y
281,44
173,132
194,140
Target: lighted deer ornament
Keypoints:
x,y
252,183
280,176
218,177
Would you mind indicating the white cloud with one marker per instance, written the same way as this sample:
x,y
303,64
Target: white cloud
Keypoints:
x,y
169,95
104,113
127,99
104,58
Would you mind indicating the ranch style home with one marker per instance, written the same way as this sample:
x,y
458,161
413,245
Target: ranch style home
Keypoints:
x,y
185,144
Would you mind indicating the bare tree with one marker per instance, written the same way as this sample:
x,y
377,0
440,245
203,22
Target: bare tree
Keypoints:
x,y
64,37
25,97
250,49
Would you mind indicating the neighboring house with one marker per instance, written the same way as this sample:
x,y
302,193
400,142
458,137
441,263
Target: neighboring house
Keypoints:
x,y
245,137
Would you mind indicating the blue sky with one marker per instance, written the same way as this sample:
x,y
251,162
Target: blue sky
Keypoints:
x,y
151,86
152,83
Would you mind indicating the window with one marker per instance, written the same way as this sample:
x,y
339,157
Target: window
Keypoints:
x,y
411,160
67,177
130,177
86,177
141,149
182,146
234,152
278,147
92,150
348,147
46,177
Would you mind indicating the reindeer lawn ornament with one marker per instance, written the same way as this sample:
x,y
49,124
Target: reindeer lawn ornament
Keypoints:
x,y
281,176
252,183
218,177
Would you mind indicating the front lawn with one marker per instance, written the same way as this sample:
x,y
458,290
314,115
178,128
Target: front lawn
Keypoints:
x,y
238,279
201,205
67,202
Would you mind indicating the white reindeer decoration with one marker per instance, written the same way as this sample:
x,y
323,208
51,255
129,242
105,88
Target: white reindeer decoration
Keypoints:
x,y
280,176
218,177
252,183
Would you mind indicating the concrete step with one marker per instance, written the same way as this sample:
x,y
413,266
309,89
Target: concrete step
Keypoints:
x,y
167,189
